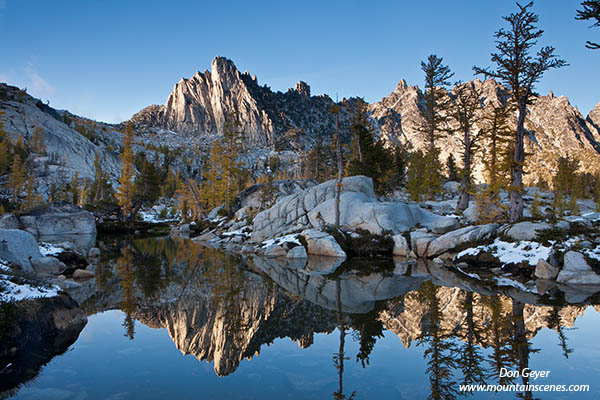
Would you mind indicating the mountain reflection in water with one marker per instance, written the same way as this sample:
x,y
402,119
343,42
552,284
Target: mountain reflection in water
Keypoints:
x,y
222,309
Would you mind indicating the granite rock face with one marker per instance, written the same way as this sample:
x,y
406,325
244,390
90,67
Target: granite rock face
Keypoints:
x,y
201,105
67,150
359,209
557,127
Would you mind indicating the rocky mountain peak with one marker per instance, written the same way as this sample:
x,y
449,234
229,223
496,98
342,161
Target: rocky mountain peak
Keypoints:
x,y
200,105
401,85
302,88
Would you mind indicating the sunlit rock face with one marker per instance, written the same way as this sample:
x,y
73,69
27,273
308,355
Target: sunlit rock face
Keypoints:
x,y
593,122
202,104
557,128
295,120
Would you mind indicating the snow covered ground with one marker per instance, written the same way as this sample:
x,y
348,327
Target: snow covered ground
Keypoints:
x,y
11,291
154,215
512,252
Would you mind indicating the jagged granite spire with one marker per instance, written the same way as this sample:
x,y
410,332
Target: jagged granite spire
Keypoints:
x,y
200,105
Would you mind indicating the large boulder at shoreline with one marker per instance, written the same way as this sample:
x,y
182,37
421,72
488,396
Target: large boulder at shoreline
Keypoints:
x,y
59,218
401,247
576,271
19,247
359,209
526,230
545,270
48,265
322,244
470,235
419,242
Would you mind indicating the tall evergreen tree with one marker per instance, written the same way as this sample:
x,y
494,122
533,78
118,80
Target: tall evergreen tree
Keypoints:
x,y
125,190
16,179
466,112
433,111
520,71
147,184
386,166
590,11
335,109
497,155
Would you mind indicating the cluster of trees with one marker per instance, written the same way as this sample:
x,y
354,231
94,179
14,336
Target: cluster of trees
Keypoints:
x,y
518,70
17,164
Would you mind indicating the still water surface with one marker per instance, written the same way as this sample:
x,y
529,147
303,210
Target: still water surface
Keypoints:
x,y
170,319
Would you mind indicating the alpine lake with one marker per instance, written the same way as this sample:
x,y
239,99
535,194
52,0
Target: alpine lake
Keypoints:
x,y
171,319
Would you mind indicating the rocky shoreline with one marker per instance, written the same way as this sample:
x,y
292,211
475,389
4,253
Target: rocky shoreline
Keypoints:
x,y
300,225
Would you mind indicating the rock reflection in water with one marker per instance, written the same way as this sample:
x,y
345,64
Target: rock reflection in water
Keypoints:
x,y
223,309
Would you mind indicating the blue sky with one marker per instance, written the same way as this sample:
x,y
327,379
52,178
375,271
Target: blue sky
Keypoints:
x,y
108,59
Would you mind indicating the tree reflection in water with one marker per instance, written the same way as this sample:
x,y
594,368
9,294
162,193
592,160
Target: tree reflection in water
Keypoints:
x,y
467,337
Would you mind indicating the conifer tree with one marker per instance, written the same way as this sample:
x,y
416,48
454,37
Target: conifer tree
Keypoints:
x,y
518,70
215,185
225,175
101,191
32,199
16,180
125,190
590,11
567,182
73,188
37,143
335,109
146,184
416,186
465,111
434,120
233,141
451,168
497,156
386,166
5,149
